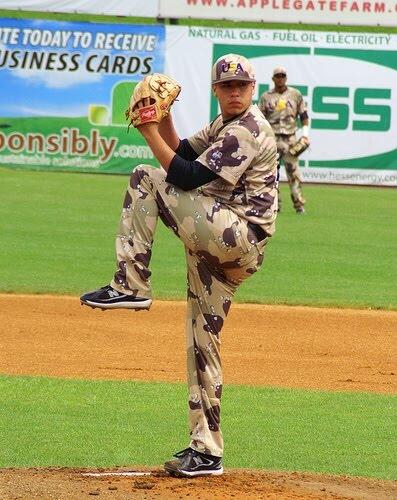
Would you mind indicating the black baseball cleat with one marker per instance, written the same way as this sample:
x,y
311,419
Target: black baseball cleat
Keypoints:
x,y
300,210
191,463
109,298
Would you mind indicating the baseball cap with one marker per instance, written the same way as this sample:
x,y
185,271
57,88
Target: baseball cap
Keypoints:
x,y
279,70
232,67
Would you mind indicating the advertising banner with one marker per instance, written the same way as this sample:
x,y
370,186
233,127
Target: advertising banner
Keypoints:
x,y
344,12
349,81
65,88
148,8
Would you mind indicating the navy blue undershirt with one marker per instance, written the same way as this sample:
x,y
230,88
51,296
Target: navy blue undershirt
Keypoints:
x,y
185,172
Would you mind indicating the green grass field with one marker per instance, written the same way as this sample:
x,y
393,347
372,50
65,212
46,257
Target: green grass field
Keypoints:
x,y
49,422
58,237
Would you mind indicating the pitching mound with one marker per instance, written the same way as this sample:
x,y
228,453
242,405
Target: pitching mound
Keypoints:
x,y
234,484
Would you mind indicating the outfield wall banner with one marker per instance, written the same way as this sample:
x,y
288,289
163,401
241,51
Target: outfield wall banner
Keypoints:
x,y
148,8
344,12
349,81
65,88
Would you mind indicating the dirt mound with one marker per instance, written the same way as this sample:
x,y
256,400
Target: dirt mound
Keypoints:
x,y
234,484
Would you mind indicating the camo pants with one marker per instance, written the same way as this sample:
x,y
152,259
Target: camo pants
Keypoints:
x,y
292,170
219,258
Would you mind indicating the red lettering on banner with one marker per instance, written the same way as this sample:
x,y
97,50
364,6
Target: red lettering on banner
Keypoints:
x,y
379,7
308,5
2,141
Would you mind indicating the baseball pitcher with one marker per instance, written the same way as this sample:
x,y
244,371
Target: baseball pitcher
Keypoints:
x,y
217,192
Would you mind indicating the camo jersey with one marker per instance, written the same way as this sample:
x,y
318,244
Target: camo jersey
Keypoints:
x,y
243,153
281,110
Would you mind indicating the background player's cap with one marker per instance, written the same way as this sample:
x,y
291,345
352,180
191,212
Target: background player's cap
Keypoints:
x,y
279,70
232,67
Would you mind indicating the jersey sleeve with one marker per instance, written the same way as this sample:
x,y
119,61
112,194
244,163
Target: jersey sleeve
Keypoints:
x,y
231,154
302,108
262,103
200,141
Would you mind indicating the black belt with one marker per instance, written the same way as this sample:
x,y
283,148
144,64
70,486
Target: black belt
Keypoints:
x,y
259,232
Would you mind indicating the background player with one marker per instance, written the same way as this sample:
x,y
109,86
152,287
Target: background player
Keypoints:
x,y
281,106
218,194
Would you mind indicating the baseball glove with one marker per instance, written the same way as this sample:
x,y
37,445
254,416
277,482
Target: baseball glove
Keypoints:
x,y
298,148
162,92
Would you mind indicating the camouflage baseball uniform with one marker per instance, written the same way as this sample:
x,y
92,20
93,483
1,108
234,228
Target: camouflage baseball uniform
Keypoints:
x,y
222,250
281,110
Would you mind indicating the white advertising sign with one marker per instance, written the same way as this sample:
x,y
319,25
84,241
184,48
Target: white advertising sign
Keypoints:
x,y
148,8
349,81
345,12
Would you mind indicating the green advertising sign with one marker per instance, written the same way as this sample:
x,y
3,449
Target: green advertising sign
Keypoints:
x,y
66,89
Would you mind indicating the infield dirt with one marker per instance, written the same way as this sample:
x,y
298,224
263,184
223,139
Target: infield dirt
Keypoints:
x,y
301,347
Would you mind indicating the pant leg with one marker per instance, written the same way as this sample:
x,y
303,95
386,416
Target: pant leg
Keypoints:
x,y
204,319
292,170
294,180
209,299
136,231
221,253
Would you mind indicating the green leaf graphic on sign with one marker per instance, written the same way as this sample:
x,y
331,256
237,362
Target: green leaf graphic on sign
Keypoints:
x,y
121,94
98,114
